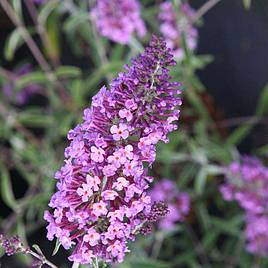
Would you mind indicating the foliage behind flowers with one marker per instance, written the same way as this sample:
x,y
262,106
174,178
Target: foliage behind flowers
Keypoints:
x,y
56,57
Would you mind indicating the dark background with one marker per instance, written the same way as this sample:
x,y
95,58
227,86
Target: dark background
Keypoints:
x,y
238,40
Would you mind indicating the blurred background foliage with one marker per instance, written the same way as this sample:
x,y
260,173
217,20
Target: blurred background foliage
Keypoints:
x,y
69,62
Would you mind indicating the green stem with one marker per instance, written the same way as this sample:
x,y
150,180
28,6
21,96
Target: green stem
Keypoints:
x,y
95,263
75,265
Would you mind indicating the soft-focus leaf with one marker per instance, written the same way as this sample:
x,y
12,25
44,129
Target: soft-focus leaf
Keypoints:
x,y
75,20
242,131
6,189
67,72
262,106
247,3
31,78
13,42
46,10
148,264
35,120
16,4
200,180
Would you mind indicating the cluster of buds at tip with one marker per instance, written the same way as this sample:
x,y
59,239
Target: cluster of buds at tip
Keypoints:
x,y
177,202
12,245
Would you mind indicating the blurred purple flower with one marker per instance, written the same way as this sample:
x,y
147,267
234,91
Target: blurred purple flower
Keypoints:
x,y
247,183
40,2
178,202
176,24
22,96
118,19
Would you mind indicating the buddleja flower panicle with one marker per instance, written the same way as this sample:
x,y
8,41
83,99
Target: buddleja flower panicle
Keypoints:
x,y
246,182
102,188
118,20
176,25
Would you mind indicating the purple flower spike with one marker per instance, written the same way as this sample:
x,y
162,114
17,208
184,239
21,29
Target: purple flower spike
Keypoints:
x,y
118,19
175,25
247,183
102,199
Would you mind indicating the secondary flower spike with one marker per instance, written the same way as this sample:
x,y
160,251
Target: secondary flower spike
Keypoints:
x,y
102,200
118,19
247,183
175,24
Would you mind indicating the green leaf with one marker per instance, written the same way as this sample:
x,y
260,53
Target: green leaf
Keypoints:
x,y
262,107
13,42
46,10
33,77
242,131
247,3
93,80
57,247
38,249
239,134
68,72
232,227
35,120
16,4
148,264
6,189
75,21
200,181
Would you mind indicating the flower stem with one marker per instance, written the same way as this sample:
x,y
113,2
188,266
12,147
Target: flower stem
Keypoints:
x,y
95,263
75,265
204,9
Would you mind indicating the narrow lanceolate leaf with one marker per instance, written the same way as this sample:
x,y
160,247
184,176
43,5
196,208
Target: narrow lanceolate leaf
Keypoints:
x,y
6,189
247,3
242,131
57,247
46,10
31,78
262,106
68,72
13,42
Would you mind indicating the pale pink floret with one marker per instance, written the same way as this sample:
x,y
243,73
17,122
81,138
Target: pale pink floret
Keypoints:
x,y
97,154
94,182
109,195
127,151
58,214
130,167
87,256
117,214
99,209
116,159
119,132
125,113
115,248
120,183
131,104
85,192
109,170
92,237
